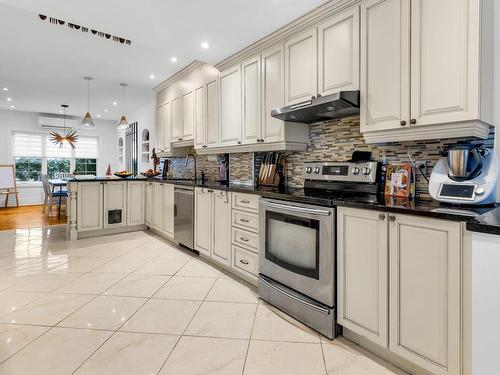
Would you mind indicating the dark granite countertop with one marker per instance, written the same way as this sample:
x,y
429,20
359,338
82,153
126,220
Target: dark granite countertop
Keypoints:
x,y
110,179
489,222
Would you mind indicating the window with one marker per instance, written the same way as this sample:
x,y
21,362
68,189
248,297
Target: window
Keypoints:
x,y
34,155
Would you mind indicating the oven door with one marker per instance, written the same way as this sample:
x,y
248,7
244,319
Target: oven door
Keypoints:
x,y
297,247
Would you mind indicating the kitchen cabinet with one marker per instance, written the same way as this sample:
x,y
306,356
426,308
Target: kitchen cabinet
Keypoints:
x,y
177,112
362,262
136,202
419,261
301,67
168,210
200,122
230,107
212,118
157,206
426,68
115,204
203,221
159,128
187,116
338,52
425,292
251,101
89,206
167,126
149,204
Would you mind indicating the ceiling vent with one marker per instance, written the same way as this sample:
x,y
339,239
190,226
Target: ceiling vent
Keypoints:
x,y
47,121
83,29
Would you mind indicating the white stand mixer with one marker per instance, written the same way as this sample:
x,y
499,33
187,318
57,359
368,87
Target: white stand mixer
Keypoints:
x,y
477,189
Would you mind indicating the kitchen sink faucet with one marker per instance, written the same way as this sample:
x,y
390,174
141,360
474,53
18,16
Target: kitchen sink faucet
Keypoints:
x,y
194,159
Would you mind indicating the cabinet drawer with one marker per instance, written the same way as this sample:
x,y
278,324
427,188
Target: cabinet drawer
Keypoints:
x,y
246,220
246,202
245,261
246,239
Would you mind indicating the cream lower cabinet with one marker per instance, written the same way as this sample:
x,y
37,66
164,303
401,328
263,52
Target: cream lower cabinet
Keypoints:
x,y
136,202
213,224
149,203
157,206
420,319
89,206
168,210
115,204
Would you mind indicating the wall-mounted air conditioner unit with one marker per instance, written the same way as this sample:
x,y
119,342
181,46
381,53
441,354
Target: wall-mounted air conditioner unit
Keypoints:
x,y
57,122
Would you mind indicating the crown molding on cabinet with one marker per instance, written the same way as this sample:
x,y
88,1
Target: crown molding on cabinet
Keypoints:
x,y
181,73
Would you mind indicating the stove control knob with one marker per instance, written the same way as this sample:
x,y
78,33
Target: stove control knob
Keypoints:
x,y
479,191
366,171
316,170
308,170
355,171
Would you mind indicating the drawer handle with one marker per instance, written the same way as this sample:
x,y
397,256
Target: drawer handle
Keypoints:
x,y
244,220
245,201
243,261
244,239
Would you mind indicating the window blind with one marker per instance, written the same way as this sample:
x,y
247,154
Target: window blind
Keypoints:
x,y
54,151
86,147
27,144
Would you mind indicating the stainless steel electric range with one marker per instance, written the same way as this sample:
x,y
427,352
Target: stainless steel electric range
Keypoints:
x,y
298,241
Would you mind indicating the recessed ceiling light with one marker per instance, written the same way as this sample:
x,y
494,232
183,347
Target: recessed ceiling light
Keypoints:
x,y
105,110
12,107
98,115
152,76
5,89
9,99
173,59
115,104
205,45
60,111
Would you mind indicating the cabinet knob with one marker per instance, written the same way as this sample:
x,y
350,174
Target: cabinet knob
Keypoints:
x,y
403,123
381,217
413,121
243,261
244,239
244,220
392,218
239,142
180,139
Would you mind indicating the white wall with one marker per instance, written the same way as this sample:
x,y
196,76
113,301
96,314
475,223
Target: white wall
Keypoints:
x,y
144,116
28,121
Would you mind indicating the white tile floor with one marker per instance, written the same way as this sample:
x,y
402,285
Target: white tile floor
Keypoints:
x,y
134,304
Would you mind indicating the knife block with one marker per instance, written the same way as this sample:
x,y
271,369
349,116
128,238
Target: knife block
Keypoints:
x,y
272,173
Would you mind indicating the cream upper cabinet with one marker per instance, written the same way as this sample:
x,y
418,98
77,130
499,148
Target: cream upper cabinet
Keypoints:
x,y
273,92
425,292
168,210
149,204
385,64
338,52
89,206
212,118
230,107
115,204
199,118
445,46
362,261
159,128
177,112
203,221
301,67
251,102
187,116
136,202
167,126
221,219
157,215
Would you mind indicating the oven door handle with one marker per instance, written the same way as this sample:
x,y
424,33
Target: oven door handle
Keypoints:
x,y
295,298
298,209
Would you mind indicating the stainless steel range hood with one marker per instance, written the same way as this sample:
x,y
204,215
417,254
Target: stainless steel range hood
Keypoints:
x,y
322,108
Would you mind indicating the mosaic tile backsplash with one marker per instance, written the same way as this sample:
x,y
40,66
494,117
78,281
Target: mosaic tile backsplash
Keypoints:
x,y
332,141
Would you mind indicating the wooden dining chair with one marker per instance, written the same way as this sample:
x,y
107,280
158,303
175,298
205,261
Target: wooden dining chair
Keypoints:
x,y
8,184
50,195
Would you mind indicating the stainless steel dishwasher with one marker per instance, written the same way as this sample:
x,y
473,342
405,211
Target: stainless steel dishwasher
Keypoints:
x,y
184,215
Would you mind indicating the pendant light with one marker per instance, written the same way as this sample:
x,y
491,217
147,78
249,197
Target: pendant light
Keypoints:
x,y
70,137
123,124
87,121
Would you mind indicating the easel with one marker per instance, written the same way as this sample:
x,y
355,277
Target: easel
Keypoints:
x,y
8,182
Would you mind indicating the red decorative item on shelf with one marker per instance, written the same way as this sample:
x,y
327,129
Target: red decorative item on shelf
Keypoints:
x,y
108,171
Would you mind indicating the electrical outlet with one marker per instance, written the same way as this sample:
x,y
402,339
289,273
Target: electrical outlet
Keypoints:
x,y
421,165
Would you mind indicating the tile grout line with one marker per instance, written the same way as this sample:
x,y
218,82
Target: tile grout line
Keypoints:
x,y
250,339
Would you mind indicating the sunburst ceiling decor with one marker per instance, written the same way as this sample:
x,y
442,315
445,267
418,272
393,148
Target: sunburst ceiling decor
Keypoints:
x,y
70,137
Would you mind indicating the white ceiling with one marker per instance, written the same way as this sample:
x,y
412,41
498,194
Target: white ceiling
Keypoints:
x,y
43,65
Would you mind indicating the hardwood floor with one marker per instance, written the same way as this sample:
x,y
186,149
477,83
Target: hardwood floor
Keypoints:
x,y
29,216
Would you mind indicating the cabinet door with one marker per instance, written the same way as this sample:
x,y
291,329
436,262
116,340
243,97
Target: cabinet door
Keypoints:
x,y
199,118
203,221
187,116
273,93
301,67
385,64
212,120
230,107
157,218
115,204
338,52
159,128
250,74
362,256
168,209
221,219
425,280
149,204
177,111
167,126
136,194
444,61
89,206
